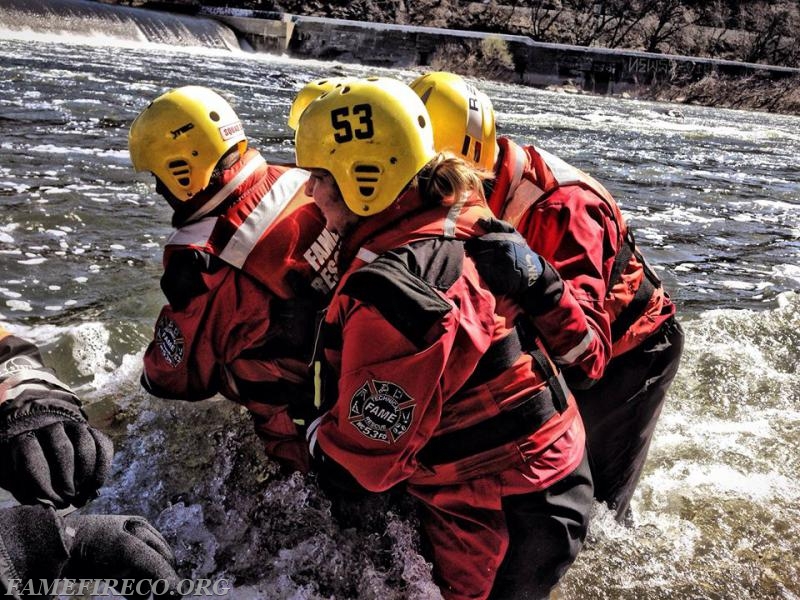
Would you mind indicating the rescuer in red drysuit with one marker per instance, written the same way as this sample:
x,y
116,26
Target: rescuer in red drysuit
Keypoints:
x,y
572,221
245,271
427,386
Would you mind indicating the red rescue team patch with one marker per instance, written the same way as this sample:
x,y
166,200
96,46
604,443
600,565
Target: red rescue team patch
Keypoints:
x,y
381,410
170,341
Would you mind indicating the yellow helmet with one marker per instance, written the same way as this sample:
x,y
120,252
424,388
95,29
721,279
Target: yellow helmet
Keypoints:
x,y
181,136
373,136
310,92
462,117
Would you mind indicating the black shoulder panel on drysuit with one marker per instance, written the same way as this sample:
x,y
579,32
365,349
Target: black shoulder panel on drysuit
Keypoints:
x,y
402,284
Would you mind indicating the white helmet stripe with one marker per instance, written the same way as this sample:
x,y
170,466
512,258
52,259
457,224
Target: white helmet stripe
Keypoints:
x,y
475,110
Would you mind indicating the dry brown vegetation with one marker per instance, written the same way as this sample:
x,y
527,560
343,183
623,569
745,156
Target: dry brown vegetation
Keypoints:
x,y
754,31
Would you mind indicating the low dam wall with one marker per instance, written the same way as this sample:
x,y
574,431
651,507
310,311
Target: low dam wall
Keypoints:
x,y
597,70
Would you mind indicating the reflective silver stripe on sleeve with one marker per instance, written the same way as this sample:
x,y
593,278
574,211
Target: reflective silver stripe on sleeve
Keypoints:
x,y
194,234
526,194
520,160
22,388
263,216
564,172
449,230
366,255
572,355
27,379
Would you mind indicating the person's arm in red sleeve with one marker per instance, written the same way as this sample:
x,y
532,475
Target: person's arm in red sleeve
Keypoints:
x,y
574,230
198,334
180,361
389,399
214,345
511,268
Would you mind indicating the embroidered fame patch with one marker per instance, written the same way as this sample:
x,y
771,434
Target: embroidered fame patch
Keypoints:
x,y
170,340
381,410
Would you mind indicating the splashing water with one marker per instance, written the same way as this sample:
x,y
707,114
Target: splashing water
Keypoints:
x,y
712,196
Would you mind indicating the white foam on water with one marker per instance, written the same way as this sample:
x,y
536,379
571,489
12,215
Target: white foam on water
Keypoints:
x,y
736,285
74,150
120,382
677,214
90,348
715,480
787,270
98,38
777,205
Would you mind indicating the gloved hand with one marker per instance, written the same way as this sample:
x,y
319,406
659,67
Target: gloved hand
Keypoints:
x,y
120,547
504,259
51,455
36,544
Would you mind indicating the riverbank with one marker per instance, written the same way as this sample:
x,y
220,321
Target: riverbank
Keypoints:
x,y
495,57
755,92
518,59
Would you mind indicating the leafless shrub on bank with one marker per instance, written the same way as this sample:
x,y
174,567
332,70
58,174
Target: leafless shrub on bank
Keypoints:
x,y
489,58
756,92
773,28
763,31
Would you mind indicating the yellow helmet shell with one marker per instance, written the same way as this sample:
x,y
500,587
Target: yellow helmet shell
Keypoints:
x,y
310,92
462,117
373,136
181,136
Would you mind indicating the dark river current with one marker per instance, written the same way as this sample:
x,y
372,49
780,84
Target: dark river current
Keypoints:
x,y
714,199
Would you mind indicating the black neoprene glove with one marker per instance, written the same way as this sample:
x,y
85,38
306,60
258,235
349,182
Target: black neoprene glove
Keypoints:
x,y
504,259
36,544
120,547
50,454
510,268
48,451
32,547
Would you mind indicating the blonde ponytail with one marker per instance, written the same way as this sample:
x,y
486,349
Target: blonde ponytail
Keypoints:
x,y
447,177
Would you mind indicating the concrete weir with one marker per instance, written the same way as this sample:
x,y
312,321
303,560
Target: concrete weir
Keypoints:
x,y
597,70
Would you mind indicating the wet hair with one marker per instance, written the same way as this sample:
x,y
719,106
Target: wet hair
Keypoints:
x,y
226,161
447,177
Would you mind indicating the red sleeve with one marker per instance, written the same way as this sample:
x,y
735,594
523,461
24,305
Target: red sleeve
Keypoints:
x,y
574,231
389,399
190,347
202,350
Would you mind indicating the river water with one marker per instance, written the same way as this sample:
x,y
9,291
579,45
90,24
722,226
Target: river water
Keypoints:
x,y
713,195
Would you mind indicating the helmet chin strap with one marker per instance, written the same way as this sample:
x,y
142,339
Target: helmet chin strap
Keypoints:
x,y
227,189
